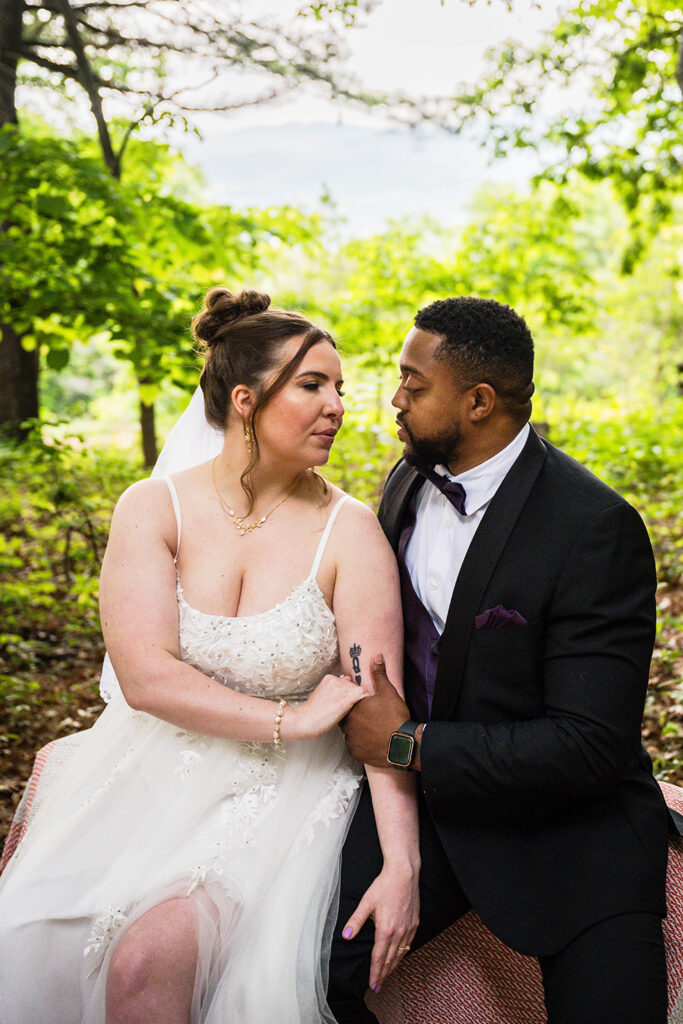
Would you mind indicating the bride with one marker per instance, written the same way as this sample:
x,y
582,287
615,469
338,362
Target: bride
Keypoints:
x,y
184,865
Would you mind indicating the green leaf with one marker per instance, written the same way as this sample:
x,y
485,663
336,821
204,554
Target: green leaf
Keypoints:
x,y
57,358
148,393
52,205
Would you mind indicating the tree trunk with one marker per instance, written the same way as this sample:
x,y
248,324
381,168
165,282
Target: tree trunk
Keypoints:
x,y
18,368
18,382
149,435
11,12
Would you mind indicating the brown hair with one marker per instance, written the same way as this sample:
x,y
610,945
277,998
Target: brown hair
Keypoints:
x,y
243,338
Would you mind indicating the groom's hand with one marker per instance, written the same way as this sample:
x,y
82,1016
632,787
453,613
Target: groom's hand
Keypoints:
x,y
370,723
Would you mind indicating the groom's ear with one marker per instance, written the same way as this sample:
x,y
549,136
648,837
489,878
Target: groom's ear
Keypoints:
x,y
483,400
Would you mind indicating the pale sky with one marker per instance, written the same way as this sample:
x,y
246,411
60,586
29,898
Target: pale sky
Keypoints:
x,y
417,46
292,151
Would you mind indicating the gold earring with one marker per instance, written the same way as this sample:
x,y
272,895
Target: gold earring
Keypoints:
x,y
248,439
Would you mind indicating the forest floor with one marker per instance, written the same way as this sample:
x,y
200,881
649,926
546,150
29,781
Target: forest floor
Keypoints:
x,y
67,700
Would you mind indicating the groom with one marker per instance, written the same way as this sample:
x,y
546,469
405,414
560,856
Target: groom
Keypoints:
x,y
528,594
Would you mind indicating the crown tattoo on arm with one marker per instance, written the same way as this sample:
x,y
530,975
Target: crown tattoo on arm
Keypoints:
x,y
355,652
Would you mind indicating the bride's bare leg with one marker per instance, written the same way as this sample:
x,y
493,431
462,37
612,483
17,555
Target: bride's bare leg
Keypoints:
x,y
152,972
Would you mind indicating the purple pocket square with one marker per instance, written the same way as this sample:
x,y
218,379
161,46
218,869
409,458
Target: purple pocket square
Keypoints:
x,y
495,618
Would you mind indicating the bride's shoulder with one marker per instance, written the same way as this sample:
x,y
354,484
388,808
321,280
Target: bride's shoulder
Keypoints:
x,y
147,505
154,495
150,492
357,542
355,518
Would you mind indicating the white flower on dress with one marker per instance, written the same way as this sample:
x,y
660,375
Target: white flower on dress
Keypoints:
x,y
188,760
103,931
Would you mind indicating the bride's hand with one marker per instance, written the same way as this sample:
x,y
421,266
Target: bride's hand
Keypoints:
x,y
393,903
333,697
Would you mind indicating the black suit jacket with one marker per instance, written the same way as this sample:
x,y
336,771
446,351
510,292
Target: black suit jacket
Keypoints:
x,y
532,765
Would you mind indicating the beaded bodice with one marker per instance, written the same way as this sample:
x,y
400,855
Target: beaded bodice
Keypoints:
x,y
282,652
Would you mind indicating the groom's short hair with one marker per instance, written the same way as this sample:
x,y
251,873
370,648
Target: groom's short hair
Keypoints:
x,y
485,342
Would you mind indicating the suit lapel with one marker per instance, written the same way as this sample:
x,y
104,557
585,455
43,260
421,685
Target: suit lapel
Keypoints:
x,y
399,489
482,556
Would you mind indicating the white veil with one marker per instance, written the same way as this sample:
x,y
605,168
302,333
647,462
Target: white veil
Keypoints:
x,y
190,441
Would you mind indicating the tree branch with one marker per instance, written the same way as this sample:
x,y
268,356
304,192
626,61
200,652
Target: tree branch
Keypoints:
x,y
221,108
108,5
89,83
68,70
130,128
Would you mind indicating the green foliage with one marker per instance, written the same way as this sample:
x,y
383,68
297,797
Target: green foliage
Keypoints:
x,y
641,456
56,499
84,255
64,232
368,289
611,73
346,10
538,252
542,252
125,291
367,446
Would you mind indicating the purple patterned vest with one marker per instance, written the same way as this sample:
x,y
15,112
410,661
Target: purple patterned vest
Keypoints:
x,y
421,644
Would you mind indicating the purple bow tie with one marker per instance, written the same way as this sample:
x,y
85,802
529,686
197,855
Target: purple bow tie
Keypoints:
x,y
451,490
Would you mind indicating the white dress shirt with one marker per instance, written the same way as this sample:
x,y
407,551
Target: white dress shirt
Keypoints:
x,y
441,537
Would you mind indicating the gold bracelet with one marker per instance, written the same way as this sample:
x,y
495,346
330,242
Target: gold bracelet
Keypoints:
x,y
278,718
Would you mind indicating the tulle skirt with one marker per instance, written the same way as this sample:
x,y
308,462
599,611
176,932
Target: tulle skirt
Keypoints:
x,y
144,812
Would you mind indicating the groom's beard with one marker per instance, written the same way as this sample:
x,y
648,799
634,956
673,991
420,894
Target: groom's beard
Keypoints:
x,y
437,450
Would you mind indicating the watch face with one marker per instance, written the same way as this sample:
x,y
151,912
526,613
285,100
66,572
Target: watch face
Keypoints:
x,y
400,749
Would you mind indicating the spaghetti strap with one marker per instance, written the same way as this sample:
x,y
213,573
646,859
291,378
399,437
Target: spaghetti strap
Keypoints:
x,y
323,540
176,509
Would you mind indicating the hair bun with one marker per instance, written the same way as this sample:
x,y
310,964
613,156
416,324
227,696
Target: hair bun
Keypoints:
x,y
222,309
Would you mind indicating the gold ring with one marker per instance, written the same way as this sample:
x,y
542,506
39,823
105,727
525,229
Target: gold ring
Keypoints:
x,y
403,949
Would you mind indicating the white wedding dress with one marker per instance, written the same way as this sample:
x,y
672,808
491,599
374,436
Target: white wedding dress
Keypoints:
x,y
144,811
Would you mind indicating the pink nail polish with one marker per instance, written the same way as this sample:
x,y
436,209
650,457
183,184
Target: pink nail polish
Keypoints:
x,y
347,933
377,988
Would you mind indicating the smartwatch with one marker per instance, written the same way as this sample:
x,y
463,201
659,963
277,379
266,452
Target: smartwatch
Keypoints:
x,y
401,747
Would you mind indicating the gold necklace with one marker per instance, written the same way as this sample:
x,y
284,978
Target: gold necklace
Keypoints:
x,y
238,521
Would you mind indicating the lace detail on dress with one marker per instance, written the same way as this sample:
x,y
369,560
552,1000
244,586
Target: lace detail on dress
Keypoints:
x,y
283,652
103,931
253,787
109,781
255,784
341,786
189,759
214,871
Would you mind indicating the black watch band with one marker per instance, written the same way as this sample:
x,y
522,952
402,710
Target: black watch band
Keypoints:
x,y
401,749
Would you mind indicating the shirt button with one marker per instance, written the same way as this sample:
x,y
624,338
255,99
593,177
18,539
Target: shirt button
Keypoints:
x,y
433,585
448,524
